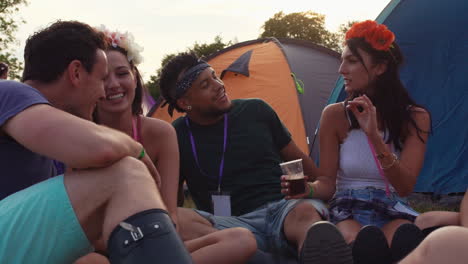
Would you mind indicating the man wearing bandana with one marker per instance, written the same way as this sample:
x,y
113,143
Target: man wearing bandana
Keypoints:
x,y
229,156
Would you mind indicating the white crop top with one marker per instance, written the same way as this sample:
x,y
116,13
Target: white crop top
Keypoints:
x,y
357,167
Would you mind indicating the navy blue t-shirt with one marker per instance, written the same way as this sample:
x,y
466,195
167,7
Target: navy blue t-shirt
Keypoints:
x,y
19,167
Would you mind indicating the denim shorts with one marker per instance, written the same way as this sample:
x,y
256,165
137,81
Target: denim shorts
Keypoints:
x,y
38,225
369,206
266,223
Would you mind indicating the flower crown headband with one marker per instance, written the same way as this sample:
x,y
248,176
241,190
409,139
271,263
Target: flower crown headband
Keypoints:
x,y
377,35
124,41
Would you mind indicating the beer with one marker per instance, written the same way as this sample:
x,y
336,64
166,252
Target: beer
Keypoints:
x,y
296,184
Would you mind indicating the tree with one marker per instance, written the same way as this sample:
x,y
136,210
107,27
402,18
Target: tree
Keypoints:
x,y
153,84
302,25
8,27
201,50
344,28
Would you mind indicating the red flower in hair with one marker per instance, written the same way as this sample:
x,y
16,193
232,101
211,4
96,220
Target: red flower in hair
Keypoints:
x,y
381,39
359,29
378,36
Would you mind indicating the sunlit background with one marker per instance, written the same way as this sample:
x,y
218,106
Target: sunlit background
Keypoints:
x,y
170,26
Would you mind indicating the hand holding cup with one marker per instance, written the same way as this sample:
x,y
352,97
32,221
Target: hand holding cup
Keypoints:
x,y
293,182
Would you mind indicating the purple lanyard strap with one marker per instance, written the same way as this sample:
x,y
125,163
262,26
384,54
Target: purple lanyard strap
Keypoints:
x,y
195,155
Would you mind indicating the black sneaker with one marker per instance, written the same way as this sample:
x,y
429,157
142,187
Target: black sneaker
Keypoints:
x,y
371,247
406,238
324,244
427,231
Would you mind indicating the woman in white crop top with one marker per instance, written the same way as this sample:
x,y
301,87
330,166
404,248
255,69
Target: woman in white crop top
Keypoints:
x,y
372,144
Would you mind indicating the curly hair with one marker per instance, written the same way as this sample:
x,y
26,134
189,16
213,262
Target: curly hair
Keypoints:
x,y
48,52
170,74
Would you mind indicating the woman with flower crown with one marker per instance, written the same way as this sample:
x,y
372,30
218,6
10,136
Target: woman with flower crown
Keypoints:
x,y
373,144
121,109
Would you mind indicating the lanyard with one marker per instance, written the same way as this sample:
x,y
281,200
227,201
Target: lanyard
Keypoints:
x,y
195,155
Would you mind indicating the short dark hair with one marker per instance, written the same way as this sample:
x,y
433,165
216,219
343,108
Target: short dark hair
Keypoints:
x,y
169,75
49,52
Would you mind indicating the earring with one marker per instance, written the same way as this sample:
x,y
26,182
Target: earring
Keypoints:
x,y
189,107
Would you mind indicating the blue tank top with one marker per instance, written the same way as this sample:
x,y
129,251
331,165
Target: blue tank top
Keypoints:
x,y
19,167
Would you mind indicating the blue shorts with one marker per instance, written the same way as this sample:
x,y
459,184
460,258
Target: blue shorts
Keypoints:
x,y
369,206
38,225
266,223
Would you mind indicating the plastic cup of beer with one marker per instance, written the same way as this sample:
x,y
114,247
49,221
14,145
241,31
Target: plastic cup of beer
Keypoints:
x,y
294,176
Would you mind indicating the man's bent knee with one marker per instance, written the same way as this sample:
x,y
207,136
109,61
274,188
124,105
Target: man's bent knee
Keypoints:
x,y
129,169
192,225
244,237
303,212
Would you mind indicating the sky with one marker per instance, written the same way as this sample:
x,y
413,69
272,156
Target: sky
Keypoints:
x,y
168,26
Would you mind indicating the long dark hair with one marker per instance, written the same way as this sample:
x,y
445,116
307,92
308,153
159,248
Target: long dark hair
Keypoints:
x,y
140,86
137,108
391,99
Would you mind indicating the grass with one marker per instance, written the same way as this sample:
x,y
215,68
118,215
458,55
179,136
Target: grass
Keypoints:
x,y
188,202
427,202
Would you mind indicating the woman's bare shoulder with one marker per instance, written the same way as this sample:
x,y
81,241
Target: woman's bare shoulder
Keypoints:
x,y
156,126
334,112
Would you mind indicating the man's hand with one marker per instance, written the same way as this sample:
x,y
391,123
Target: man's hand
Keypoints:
x,y
285,189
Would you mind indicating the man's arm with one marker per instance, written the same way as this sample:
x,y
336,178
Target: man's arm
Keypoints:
x,y
74,141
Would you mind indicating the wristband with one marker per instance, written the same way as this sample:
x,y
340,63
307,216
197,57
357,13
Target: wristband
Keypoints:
x,y
311,191
142,154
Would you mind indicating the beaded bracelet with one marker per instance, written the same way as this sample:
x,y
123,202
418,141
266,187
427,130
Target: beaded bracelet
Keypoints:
x,y
394,161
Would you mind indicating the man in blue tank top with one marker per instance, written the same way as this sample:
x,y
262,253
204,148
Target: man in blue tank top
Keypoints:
x,y
109,190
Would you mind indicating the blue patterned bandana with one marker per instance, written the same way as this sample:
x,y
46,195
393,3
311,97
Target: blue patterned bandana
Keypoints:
x,y
189,77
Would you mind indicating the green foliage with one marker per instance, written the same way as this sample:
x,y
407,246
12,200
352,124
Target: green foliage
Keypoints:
x,y
301,25
15,66
307,26
344,28
202,50
8,27
152,86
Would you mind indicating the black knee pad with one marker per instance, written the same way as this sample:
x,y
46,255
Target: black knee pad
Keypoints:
x,y
147,237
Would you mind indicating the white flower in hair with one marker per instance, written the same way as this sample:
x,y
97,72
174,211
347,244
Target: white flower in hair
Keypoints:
x,y
125,41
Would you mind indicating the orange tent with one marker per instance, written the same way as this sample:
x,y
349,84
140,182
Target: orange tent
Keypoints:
x,y
293,76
